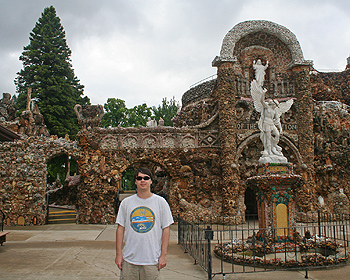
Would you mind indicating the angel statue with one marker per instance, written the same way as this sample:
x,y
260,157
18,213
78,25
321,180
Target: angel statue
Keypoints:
x,y
269,123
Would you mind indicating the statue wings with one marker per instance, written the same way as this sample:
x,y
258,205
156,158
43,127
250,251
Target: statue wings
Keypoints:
x,y
258,94
284,107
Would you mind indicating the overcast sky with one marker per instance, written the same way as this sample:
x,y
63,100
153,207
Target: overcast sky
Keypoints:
x,y
144,50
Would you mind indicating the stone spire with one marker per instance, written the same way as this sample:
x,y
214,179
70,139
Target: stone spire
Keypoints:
x,y
348,63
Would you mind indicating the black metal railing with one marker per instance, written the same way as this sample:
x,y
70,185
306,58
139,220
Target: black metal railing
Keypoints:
x,y
2,220
192,239
284,88
222,248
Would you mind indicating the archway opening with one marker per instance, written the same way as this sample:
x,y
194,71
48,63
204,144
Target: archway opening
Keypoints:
x,y
251,212
127,181
60,167
62,189
160,185
62,180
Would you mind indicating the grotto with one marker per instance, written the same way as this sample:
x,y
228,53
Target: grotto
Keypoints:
x,y
202,163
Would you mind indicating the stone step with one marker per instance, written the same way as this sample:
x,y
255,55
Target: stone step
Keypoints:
x,y
61,216
62,221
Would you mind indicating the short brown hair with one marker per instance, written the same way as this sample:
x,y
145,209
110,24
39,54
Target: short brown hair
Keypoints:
x,y
143,170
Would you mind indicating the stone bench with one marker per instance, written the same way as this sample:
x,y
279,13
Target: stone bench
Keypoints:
x,y
3,236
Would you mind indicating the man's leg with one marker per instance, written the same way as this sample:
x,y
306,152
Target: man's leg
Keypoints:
x,y
150,272
129,271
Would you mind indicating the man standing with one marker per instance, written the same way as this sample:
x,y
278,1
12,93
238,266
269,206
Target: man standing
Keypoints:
x,y
143,221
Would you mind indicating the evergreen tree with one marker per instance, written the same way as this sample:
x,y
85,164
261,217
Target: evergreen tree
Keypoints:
x,y
47,69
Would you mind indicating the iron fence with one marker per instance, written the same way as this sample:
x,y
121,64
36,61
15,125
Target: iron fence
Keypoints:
x,y
222,249
2,220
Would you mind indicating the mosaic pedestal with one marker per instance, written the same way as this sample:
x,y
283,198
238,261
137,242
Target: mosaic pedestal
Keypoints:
x,y
274,185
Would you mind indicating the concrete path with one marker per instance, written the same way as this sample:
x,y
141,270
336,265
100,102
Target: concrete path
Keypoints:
x,y
87,252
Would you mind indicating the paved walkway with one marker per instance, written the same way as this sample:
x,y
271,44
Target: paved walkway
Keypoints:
x,y
88,251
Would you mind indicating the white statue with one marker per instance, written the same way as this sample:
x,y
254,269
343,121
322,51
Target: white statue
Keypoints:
x,y
260,71
320,201
269,122
151,123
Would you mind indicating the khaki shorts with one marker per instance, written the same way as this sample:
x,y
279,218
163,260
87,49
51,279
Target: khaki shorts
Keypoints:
x,y
139,272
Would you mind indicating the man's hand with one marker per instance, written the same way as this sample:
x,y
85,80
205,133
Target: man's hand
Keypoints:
x,y
118,261
165,243
162,262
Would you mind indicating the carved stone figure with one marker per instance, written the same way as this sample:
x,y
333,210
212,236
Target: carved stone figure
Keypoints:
x,y
7,109
269,122
260,71
151,123
89,116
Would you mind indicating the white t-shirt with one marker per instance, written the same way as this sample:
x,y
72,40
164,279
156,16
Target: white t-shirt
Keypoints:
x,y
144,221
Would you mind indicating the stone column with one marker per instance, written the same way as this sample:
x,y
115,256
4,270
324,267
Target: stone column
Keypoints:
x,y
225,93
305,197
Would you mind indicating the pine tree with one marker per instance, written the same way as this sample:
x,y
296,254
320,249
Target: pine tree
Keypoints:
x,y
47,69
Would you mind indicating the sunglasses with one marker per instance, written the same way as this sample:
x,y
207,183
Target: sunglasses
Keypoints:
x,y
139,178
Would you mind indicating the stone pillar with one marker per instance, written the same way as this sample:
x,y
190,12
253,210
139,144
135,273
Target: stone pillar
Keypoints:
x,y
275,185
305,197
96,195
225,93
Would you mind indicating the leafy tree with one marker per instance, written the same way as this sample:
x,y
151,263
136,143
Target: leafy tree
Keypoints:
x,y
47,69
115,113
138,115
128,183
62,166
166,111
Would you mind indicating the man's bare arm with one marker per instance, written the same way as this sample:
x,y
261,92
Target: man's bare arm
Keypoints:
x,y
164,249
119,245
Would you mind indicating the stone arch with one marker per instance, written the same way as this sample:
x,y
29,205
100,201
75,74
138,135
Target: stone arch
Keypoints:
x,y
156,166
53,155
144,162
149,141
248,27
188,141
109,142
129,141
168,141
283,139
55,152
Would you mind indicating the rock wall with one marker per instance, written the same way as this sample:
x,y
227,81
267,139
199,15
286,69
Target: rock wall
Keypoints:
x,y
332,153
194,171
23,172
331,86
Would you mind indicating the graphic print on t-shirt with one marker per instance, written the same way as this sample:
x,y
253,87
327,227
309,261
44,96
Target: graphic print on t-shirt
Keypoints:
x,y
142,219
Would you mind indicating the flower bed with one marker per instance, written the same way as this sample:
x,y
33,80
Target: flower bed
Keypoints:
x,y
312,252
